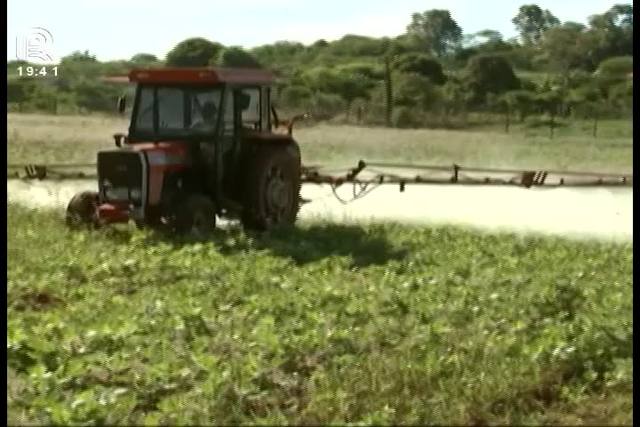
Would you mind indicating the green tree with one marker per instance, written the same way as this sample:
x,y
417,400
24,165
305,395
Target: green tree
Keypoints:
x,y
354,46
235,57
503,104
77,66
319,44
435,31
278,54
405,118
615,82
326,105
415,90
550,101
194,52
456,98
144,59
483,42
611,33
400,45
345,83
294,97
619,67
521,102
95,96
42,97
531,22
589,99
423,65
564,48
486,74
367,71
20,90
78,56
620,96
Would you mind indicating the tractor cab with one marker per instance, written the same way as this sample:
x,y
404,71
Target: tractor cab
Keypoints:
x,y
200,145
191,104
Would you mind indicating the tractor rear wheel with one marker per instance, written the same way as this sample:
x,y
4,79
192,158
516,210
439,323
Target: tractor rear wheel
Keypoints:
x,y
272,187
196,217
81,210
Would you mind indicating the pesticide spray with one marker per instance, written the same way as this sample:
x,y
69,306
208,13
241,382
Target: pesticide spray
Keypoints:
x,y
603,213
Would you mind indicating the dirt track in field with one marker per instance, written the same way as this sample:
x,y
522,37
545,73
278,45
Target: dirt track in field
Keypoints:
x,y
594,212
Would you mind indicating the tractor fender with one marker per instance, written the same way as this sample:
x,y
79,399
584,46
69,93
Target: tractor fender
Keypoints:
x,y
257,142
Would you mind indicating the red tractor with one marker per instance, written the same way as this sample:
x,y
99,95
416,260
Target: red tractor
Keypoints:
x,y
201,143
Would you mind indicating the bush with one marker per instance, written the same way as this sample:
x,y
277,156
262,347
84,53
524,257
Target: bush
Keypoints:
x,y
367,71
577,78
94,96
415,90
528,85
405,118
20,90
617,67
354,46
521,57
620,97
327,105
522,102
295,97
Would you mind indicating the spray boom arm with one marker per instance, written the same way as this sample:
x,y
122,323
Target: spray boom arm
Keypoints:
x,y
365,176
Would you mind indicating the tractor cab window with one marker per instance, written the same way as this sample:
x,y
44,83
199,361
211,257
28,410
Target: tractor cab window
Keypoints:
x,y
250,107
144,119
175,112
171,109
242,110
204,110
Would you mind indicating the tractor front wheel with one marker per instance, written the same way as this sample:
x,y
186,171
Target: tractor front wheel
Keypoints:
x,y
272,187
81,210
197,217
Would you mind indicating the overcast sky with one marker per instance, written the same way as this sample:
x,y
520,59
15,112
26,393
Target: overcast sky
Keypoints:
x,y
118,29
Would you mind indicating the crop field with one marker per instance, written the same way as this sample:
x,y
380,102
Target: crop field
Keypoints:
x,y
323,324
326,323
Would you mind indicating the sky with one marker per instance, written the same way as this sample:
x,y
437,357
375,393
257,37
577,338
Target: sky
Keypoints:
x,y
118,29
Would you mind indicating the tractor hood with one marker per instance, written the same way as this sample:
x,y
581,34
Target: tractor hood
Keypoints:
x,y
168,153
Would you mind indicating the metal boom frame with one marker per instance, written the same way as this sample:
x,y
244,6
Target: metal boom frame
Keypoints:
x,y
363,185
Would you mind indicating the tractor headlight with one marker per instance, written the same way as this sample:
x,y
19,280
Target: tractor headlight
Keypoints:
x,y
116,193
123,193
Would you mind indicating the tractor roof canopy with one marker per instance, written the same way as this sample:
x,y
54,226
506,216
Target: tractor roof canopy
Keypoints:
x,y
202,75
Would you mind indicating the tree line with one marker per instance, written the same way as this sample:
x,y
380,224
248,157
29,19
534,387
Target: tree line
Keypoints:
x,y
432,75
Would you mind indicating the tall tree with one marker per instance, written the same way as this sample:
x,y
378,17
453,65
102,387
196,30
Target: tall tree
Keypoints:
x,y
194,52
613,32
143,59
423,65
435,31
531,22
565,47
487,74
235,57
